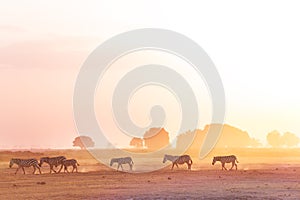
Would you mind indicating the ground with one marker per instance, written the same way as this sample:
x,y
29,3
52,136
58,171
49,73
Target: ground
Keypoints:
x,y
95,181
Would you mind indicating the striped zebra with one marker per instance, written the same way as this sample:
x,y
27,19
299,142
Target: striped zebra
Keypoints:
x,y
120,161
70,162
226,159
179,160
54,161
25,163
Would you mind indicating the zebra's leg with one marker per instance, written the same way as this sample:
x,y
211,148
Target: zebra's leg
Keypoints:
x,y
17,170
188,164
173,165
176,165
122,167
23,170
130,165
34,169
39,169
235,166
233,163
60,168
223,166
66,168
118,166
75,166
51,168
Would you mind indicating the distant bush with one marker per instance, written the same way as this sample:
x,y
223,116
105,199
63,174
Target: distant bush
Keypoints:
x,y
275,139
136,142
83,142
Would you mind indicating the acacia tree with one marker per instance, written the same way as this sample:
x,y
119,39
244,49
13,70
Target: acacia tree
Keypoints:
x,y
274,139
290,139
136,142
83,142
156,138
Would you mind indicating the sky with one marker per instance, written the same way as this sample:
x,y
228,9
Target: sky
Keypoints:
x,y
254,45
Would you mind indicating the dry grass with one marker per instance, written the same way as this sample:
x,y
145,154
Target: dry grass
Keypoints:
x,y
262,174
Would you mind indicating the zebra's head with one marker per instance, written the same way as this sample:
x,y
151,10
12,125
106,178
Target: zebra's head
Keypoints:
x,y
11,163
165,159
112,162
214,161
42,160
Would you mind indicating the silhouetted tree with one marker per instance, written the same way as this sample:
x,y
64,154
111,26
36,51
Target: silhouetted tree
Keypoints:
x,y
136,142
156,138
190,140
83,142
274,139
290,139
229,137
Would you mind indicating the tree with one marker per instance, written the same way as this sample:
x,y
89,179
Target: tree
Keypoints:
x,y
274,139
290,139
156,138
230,137
83,142
136,142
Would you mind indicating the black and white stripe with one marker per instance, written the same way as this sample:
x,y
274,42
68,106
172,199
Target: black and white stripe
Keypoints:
x,y
24,163
179,160
226,159
53,161
70,162
120,161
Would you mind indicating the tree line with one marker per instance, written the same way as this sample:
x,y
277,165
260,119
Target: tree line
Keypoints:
x,y
231,137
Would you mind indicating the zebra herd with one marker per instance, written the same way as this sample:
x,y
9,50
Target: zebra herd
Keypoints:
x,y
179,160
61,161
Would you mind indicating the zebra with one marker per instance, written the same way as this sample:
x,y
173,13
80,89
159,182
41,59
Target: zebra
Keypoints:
x,y
54,161
179,160
120,161
70,162
226,159
25,163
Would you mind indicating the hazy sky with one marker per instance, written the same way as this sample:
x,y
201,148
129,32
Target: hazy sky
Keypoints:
x,y
255,46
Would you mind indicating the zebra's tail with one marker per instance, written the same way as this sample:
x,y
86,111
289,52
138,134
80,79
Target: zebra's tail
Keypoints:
x,y
236,160
190,161
77,163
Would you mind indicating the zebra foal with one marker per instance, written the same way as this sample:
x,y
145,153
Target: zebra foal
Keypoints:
x,y
25,163
70,162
